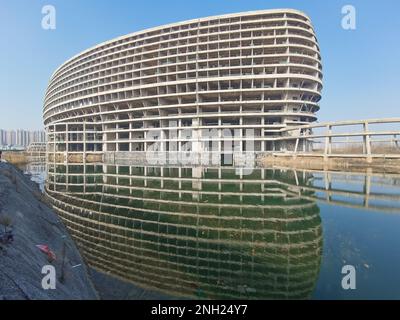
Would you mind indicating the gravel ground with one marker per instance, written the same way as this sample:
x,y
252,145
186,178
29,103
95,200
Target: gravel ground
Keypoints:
x,y
34,223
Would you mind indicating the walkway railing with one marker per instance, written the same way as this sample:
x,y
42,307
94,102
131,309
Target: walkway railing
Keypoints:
x,y
357,140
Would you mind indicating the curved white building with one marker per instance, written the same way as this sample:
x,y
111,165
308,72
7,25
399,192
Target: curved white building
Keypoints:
x,y
243,77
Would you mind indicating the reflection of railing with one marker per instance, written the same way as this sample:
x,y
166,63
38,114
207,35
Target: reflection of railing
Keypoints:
x,y
320,183
191,232
304,139
362,197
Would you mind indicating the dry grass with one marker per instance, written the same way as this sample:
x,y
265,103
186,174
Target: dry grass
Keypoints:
x,y
338,163
385,149
15,157
5,221
357,148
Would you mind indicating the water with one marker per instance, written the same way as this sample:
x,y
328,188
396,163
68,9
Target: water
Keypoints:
x,y
220,234
37,171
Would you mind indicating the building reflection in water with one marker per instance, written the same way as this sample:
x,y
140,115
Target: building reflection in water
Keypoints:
x,y
37,171
194,232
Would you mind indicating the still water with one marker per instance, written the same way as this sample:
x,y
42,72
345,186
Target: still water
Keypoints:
x,y
221,233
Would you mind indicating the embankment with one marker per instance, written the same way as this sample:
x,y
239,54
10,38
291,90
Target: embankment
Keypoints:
x,y
350,164
24,210
15,157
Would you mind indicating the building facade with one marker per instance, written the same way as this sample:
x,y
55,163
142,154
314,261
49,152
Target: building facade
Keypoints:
x,y
210,84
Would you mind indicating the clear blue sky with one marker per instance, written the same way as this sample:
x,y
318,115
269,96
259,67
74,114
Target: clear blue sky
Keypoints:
x,y
361,67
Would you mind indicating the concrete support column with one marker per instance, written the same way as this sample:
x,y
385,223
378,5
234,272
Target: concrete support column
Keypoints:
x,y
367,142
328,142
84,144
67,143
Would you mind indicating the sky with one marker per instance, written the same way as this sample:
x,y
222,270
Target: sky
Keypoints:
x,y
361,66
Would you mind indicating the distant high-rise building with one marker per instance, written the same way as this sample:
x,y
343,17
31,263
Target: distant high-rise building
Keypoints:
x,y
20,137
11,137
2,137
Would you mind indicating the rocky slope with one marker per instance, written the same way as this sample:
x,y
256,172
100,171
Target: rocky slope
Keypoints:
x,y
34,223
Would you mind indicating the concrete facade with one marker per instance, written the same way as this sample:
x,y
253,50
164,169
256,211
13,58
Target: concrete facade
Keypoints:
x,y
211,84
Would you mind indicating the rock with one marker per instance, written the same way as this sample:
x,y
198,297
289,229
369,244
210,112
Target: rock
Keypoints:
x,y
33,223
